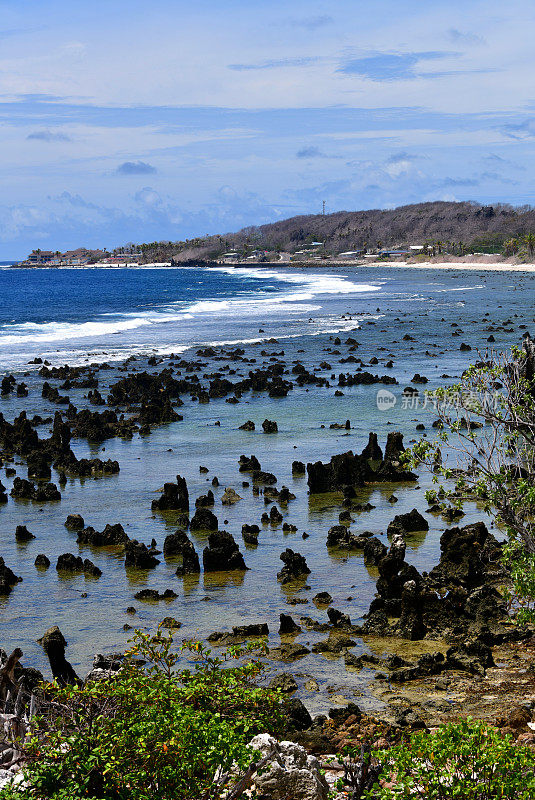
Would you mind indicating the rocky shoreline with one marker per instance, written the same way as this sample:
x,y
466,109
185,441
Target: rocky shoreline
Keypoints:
x,y
433,644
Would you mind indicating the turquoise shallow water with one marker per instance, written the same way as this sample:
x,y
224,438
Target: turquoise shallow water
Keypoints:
x,y
421,303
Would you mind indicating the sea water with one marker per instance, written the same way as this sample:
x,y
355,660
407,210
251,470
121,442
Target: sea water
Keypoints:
x,y
85,316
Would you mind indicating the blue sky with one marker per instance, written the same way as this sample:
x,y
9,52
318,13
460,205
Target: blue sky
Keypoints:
x,y
139,121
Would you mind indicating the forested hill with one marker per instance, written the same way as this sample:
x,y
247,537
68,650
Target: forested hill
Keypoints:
x,y
473,225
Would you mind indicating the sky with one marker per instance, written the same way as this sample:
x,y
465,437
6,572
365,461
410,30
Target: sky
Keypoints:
x,y
164,120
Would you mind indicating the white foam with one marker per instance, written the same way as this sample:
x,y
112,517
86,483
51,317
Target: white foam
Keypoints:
x,y
296,301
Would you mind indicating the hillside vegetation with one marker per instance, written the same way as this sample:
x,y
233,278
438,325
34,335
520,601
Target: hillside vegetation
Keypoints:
x,y
454,227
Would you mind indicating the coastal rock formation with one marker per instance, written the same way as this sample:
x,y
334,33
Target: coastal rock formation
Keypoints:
x,y
110,536
75,522
288,625
71,563
269,426
230,496
408,523
456,599
295,566
7,578
178,544
249,464
205,500
175,497
53,643
250,534
204,520
138,555
222,553
154,594
340,536
289,772
26,490
22,534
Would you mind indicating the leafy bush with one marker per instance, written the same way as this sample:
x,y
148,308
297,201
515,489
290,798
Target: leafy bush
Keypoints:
x,y
460,761
151,731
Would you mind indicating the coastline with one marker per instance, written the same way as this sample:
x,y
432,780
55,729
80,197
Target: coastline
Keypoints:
x,y
311,428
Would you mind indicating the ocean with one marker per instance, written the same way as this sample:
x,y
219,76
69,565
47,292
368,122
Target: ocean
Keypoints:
x,y
417,319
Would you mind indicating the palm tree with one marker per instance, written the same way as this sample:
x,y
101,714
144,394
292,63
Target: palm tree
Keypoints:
x,y
529,240
511,247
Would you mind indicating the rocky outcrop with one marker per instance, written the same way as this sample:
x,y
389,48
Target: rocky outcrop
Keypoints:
x,y
178,544
22,534
222,553
75,522
230,496
348,469
341,536
138,555
288,625
456,600
71,563
270,426
204,520
111,535
175,497
288,771
345,469
469,557
154,594
295,567
8,579
26,490
53,643
408,523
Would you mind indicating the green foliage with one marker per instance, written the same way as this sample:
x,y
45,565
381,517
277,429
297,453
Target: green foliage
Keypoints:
x,y
152,731
485,452
461,761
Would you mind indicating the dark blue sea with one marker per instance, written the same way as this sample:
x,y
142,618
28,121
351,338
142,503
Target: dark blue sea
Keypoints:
x,y
70,314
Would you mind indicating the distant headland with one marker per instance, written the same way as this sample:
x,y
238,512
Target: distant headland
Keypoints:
x,y
440,230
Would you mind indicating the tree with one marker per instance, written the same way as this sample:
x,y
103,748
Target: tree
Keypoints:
x,y
486,452
529,241
511,247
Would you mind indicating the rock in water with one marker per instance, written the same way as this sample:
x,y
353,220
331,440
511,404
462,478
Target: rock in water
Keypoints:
x,y
175,497
22,534
222,553
138,555
110,536
54,644
204,520
408,523
295,566
230,497
288,626
7,578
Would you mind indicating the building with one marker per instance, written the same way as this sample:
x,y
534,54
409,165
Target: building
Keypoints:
x,y
38,257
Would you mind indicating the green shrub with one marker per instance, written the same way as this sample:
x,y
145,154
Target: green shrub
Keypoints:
x,y
151,731
460,761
